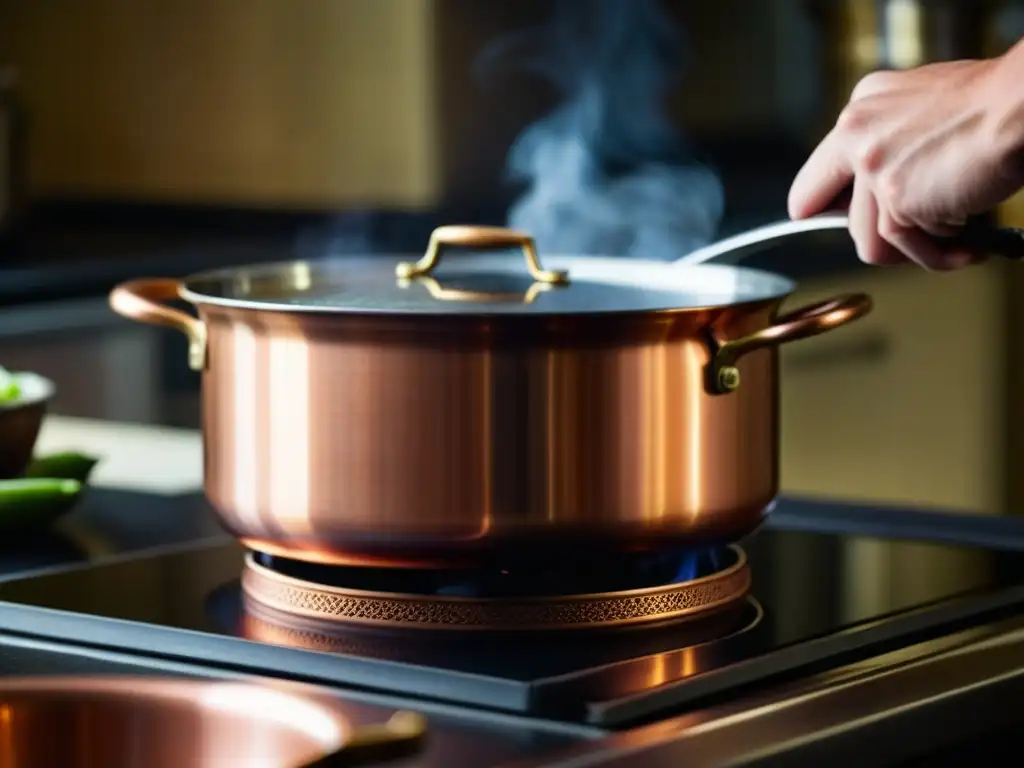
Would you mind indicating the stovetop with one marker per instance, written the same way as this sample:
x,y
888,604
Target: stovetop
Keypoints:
x,y
819,600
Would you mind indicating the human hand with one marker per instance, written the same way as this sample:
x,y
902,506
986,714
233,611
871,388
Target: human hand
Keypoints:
x,y
923,149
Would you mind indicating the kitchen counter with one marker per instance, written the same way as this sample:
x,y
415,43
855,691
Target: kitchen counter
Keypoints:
x,y
134,457
145,492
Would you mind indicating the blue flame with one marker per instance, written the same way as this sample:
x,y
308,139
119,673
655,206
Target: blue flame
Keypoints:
x,y
688,568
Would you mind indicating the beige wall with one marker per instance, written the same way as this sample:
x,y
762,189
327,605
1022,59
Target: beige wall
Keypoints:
x,y
318,103
304,102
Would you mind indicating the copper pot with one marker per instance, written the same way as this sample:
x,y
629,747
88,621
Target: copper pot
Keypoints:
x,y
478,409
160,723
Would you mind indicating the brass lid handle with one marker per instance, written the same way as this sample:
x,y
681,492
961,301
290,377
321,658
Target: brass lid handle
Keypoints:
x,y
439,292
479,237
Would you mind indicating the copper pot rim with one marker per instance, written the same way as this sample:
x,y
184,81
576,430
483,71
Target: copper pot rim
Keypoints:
x,y
599,330
740,564
140,686
199,290
670,280
240,308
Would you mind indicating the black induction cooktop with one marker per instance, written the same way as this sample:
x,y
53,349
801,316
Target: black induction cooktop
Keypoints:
x,y
820,599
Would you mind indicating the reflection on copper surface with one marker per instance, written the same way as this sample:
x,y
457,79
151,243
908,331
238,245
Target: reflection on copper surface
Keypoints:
x,y
654,670
675,601
169,723
243,445
287,479
400,441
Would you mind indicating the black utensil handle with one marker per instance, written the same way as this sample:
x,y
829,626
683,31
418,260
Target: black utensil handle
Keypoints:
x,y
982,237
979,235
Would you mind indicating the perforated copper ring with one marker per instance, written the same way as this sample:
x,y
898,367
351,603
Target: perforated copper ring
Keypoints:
x,y
670,602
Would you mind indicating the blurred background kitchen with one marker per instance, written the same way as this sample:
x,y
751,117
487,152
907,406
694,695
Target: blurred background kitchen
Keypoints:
x,y
161,138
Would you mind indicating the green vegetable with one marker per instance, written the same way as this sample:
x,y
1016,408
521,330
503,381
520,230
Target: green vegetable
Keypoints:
x,y
35,503
36,488
10,390
68,465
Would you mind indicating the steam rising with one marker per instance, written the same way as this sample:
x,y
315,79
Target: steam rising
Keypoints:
x,y
606,171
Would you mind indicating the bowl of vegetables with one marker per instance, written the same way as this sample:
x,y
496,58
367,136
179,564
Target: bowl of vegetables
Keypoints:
x,y
34,490
24,400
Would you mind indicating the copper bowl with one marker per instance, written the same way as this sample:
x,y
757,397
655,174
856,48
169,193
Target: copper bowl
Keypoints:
x,y
160,723
370,411
20,423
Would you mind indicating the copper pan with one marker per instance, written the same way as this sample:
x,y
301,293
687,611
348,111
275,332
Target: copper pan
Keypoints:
x,y
167,723
379,412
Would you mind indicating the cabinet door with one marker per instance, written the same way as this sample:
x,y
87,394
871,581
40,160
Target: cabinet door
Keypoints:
x,y
104,367
907,405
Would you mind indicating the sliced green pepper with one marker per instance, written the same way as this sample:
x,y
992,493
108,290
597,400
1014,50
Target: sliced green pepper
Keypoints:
x,y
68,465
10,390
35,502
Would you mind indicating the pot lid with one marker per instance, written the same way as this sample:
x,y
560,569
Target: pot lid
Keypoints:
x,y
493,280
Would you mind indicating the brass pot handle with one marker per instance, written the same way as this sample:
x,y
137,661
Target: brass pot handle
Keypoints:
x,y
801,323
400,736
479,237
142,300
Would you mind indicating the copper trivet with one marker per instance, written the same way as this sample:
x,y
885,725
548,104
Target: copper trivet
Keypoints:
x,y
670,602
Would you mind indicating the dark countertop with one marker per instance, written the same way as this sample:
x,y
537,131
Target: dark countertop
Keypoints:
x,y
112,523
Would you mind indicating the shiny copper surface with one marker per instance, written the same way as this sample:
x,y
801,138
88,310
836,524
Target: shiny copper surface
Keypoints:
x,y
668,602
425,441
165,723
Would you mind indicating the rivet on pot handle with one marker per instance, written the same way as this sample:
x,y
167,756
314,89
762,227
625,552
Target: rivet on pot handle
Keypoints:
x,y
811,320
479,237
142,300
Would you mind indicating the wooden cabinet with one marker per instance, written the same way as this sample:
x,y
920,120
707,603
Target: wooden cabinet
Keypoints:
x,y
300,103
336,103
914,403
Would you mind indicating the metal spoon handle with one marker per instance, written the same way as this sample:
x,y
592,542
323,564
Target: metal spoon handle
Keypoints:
x,y
977,235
